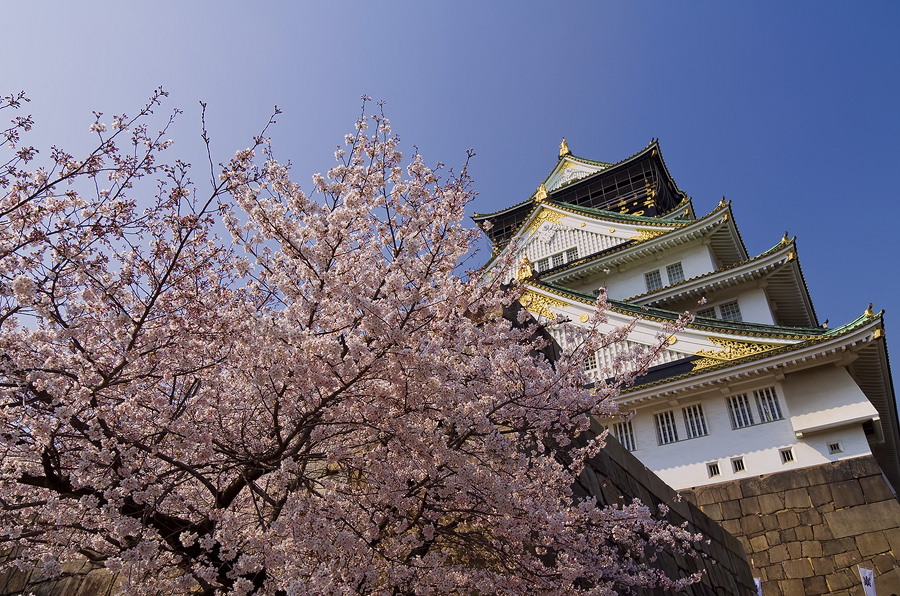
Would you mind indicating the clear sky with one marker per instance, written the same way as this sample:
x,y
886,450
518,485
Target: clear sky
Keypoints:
x,y
787,108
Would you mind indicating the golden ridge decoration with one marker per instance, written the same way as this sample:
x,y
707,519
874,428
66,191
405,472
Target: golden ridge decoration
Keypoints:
x,y
564,148
545,215
648,234
541,194
540,305
524,271
732,349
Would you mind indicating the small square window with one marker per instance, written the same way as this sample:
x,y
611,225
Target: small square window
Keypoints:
x,y
787,455
625,434
737,464
709,313
654,280
835,448
731,311
712,469
675,273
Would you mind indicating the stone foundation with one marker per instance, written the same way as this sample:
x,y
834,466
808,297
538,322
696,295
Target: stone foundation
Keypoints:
x,y
806,530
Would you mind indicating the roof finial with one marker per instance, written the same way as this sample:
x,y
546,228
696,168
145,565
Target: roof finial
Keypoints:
x,y
869,312
786,238
541,193
825,324
722,203
564,148
524,271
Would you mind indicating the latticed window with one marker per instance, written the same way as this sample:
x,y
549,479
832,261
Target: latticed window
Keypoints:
x,y
731,311
625,434
739,409
558,260
709,313
590,363
675,273
694,421
654,280
767,404
542,265
572,255
666,432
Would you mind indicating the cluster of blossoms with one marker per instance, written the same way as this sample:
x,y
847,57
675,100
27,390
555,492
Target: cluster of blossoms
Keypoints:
x,y
319,405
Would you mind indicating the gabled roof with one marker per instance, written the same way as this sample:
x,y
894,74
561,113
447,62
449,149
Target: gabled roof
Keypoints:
x,y
717,226
778,266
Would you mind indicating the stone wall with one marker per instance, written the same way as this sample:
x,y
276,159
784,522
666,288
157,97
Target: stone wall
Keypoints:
x,y
806,530
616,476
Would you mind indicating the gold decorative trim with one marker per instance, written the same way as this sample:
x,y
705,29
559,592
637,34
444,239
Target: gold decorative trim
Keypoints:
x,y
643,235
584,318
732,349
869,313
878,334
545,215
564,148
540,305
541,194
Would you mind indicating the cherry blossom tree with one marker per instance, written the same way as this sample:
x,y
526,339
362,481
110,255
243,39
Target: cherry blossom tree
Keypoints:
x,y
319,404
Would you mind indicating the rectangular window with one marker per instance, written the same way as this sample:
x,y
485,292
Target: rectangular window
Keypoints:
x,y
654,280
835,448
787,455
712,469
558,260
739,409
731,311
737,464
694,421
542,265
572,255
666,432
675,273
767,404
625,434
709,313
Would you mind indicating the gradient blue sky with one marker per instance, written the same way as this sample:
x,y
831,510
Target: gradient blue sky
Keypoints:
x,y
787,108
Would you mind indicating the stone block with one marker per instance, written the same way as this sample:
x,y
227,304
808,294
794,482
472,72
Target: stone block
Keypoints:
x,y
753,524
810,516
864,466
775,572
96,583
788,519
875,489
822,533
779,553
711,494
812,586
788,535
840,545
713,511
758,544
759,560
732,526
823,565
794,550
836,472
847,494
791,587
773,538
840,580
797,498
731,509
770,503
810,548
884,563
798,568
819,495
871,543
859,520
803,531
847,559
733,489
750,506
893,537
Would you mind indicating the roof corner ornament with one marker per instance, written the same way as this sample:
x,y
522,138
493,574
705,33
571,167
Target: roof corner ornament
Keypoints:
x,y
541,195
787,239
869,312
723,202
564,148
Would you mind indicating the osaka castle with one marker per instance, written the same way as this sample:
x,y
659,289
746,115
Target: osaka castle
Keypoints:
x,y
754,392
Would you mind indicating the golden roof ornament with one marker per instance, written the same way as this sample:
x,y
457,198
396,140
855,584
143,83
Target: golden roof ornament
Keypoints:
x,y
722,203
524,271
564,148
869,312
541,194
786,238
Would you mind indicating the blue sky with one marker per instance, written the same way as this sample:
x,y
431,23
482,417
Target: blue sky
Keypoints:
x,y
788,109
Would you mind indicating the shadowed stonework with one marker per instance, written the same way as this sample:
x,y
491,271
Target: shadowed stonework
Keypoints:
x,y
806,530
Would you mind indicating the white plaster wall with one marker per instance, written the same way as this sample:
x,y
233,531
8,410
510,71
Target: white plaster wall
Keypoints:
x,y
684,464
624,283
824,396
